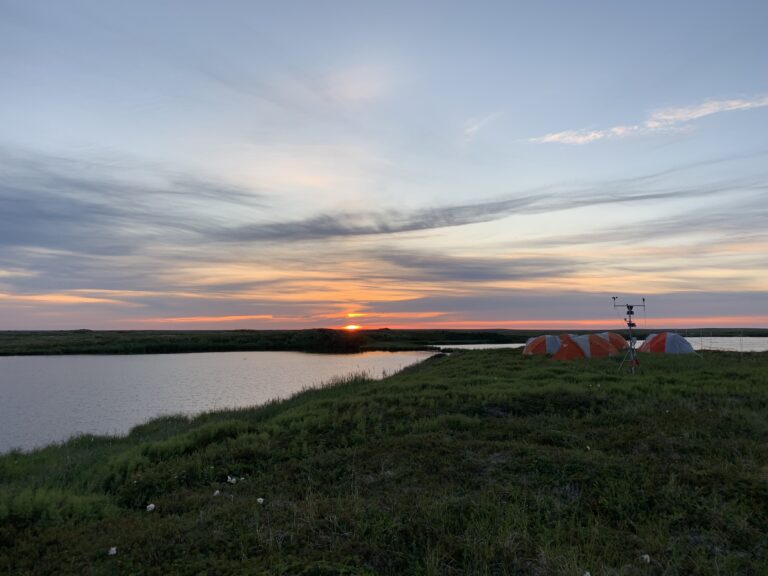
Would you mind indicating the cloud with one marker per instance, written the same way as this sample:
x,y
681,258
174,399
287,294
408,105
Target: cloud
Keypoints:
x,y
474,125
203,319
484,305
422,266
58,298
666,119
742,220
356,85
348,224
104,208
351,224
78,238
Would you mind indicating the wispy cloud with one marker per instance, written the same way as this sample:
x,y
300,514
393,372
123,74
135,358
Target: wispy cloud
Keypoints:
x,y
423,266
744,219
194,254
356,85
474,125
500,306
59,298
204,319
665,119
59,203
350,224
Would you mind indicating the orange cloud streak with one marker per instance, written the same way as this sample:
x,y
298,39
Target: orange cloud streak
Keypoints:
x,y
60,298
202,319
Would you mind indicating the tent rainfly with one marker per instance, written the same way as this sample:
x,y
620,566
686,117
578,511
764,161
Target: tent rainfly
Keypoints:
x,y
617,340
666,343
547,344
584,346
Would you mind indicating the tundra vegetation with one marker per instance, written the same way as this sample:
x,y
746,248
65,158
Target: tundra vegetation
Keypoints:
x,y
477,462
313,340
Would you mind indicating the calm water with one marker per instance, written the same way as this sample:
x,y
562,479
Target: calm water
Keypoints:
x,y
735,344
480,346
46,399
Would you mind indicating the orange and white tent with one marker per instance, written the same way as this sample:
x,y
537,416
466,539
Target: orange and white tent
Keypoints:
x,y
569,349
617,340
546,344
584,346
574,347
666,343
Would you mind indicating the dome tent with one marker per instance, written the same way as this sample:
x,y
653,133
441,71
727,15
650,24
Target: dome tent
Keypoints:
x,y
666,343
595,346
573,346
616,339
569,349
584,346
546,344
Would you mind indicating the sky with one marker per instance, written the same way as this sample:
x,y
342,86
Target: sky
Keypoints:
x,y
226,165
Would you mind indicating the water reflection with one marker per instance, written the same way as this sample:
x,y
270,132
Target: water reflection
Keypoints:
x,y
46,399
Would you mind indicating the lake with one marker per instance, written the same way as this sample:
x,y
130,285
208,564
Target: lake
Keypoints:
x,y
480,346
45,399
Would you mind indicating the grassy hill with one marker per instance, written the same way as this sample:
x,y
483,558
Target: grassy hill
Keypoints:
x,y
481,462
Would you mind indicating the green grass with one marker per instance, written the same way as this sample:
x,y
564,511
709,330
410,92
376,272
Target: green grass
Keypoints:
x,y
482,462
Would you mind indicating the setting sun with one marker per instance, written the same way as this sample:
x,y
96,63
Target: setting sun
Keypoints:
x,y
352,327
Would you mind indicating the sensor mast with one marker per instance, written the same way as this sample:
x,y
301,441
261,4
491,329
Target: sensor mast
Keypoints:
x,y
631,356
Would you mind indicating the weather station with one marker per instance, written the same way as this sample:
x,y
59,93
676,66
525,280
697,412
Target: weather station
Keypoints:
x,y
630,358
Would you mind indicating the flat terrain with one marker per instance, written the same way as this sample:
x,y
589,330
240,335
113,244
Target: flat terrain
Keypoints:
x,y
480,462
164,342
313,340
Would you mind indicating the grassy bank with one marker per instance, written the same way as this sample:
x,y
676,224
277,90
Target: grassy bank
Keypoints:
x,y
482,462
314,340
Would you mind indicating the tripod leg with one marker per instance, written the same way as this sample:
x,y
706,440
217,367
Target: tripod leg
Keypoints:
x,y
630,357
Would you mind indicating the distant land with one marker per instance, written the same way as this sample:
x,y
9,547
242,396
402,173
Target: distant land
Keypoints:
x,y
321,340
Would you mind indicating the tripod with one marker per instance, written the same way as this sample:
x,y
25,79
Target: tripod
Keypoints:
x,y
630,358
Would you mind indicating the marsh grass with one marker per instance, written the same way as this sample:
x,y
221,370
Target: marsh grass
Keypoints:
x,y
481,462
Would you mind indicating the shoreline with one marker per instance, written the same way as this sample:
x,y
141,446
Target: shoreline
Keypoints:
x,y
321,340
555,468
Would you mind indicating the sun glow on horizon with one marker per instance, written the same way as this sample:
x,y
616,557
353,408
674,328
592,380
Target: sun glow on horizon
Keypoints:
x,y
352,327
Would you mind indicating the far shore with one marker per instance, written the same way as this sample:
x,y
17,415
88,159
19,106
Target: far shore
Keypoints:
x,y
319,340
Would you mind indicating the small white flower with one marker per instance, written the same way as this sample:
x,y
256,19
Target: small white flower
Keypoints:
x,y
587,574
216,493
231,479
260,500
112,551
588,448
242,478
645,558
150,507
